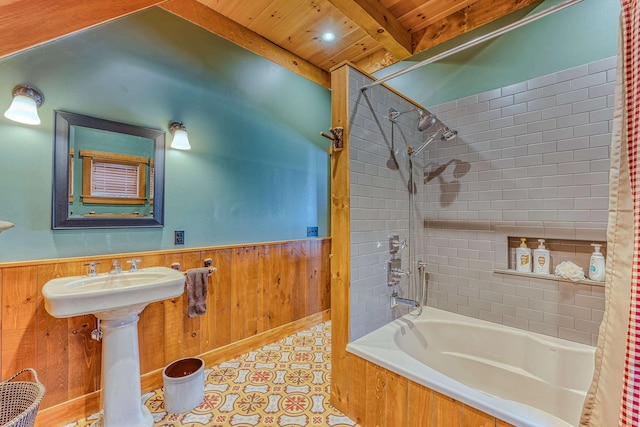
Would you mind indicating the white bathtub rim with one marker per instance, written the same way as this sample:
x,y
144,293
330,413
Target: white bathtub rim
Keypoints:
x,y
534,336
376,349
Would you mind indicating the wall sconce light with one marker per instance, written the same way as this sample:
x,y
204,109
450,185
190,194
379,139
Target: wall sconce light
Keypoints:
x,y
5,225
24,107
180,138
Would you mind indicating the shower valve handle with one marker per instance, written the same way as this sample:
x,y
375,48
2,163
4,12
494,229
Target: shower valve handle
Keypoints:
x,y
395,244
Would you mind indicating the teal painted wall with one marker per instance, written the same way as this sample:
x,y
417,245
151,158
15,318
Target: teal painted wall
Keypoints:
x,y
258,169
574,36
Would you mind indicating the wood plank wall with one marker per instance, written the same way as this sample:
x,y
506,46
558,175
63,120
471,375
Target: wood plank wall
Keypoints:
x,y
365,392
255,289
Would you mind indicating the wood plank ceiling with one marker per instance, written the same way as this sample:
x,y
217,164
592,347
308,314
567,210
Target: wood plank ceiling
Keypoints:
x,y
372,34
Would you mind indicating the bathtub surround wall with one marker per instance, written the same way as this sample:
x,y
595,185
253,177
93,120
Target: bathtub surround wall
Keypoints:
x,y
380,190
539,166
532,160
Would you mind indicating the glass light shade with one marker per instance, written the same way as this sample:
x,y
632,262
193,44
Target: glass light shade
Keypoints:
x,y
180,140
5,225
328,36
23,109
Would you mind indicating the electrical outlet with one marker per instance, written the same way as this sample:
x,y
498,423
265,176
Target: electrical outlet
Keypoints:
x,y
312,231
178,237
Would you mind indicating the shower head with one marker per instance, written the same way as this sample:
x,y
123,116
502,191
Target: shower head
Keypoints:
x,y
448,134
426,121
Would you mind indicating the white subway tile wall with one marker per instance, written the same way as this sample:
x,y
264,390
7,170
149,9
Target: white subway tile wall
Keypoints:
x,y
380,201
533,156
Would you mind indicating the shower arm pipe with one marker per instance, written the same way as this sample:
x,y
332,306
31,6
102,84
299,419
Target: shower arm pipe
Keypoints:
x,y
471,43
414,153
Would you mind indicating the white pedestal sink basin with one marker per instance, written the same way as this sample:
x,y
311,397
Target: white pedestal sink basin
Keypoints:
x,y
116,299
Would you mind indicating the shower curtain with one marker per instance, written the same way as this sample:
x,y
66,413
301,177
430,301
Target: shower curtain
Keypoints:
x,y
614,395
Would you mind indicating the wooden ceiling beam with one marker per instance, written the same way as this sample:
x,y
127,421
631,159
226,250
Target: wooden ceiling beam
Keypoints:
x,y
471,17
207,18
28,23
379,23
431,11
375,61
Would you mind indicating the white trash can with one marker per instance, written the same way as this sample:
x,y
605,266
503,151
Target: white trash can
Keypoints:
x,y
183,384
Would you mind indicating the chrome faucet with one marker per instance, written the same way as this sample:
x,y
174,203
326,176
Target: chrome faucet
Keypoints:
x,y
396,300
134,264
116,268
92,268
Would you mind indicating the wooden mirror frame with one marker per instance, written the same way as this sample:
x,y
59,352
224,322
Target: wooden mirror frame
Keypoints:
x,y
60,211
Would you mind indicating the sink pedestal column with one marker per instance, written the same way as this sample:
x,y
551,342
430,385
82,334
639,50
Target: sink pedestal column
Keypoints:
x,y
121,392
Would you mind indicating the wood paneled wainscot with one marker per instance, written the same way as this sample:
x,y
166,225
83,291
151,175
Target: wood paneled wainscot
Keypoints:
x,y
258,294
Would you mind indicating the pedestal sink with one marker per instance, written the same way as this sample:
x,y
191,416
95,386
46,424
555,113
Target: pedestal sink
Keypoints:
x,y
116,299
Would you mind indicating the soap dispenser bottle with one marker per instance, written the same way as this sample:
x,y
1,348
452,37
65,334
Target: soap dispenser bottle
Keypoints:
x,y
596,264
541,259
523,257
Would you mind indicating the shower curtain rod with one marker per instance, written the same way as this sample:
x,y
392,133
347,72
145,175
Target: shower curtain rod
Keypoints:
x,y
474,42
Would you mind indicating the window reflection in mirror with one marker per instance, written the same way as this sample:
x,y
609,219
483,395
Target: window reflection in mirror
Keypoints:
x,y
110,173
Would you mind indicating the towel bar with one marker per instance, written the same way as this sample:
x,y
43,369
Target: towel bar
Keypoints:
x,y
211,270
207,263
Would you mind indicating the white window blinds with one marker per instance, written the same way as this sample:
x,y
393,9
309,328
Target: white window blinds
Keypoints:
x,y
152,180
114,180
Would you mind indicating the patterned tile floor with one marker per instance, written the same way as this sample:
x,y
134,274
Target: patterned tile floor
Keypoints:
x,y
282,384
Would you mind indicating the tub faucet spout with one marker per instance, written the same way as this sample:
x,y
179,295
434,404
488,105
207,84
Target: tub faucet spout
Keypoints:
x,y
396,300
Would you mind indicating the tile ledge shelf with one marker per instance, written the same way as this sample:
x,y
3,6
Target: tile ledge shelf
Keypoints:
x,y
547,277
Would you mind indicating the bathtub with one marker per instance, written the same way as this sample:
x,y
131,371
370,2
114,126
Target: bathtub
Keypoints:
x,y
524,378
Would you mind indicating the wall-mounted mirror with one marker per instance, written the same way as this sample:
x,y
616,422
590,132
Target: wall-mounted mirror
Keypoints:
x,y
106,174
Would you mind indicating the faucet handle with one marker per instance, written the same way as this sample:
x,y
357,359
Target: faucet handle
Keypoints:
x,y
115,267
134,263
395,244
92,268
